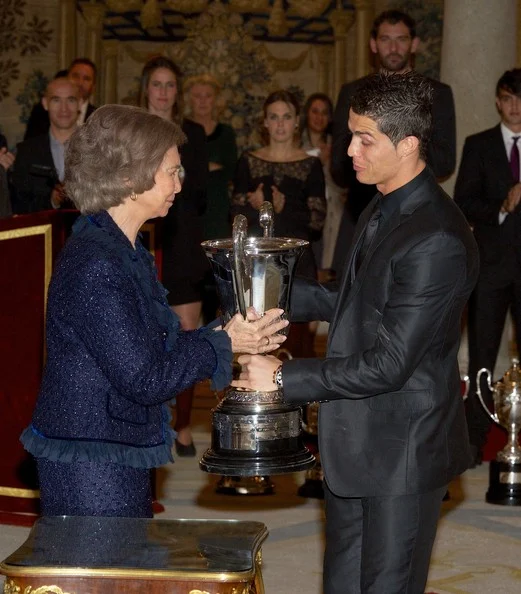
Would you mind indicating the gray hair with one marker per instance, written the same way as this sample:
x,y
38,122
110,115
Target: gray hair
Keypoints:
x,y
115,153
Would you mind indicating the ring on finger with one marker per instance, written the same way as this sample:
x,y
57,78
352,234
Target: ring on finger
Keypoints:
x,y
267,340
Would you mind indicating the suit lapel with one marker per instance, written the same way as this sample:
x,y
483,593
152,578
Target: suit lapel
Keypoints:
x,y
410,204
345,285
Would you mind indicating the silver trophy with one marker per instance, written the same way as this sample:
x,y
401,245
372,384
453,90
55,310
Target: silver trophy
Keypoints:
x,y
505,470
255,434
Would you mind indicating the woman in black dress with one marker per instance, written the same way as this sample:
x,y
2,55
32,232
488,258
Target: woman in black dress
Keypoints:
x,y
184,262
286,176
202,92
293,182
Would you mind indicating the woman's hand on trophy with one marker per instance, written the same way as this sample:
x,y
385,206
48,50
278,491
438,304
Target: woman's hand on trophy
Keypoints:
x,y
256,334
257,373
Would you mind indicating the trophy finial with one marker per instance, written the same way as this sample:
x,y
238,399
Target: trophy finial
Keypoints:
x,y
266,218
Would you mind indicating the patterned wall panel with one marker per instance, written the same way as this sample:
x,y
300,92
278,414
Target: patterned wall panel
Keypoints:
x,y
27,58
221,41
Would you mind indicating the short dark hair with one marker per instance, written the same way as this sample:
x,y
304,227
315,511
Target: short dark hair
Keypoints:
x,y
87,62
510,81
393,17
152,65
116,152
400,104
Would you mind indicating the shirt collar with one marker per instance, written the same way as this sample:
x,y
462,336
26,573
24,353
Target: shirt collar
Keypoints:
x,y
391,202
507,133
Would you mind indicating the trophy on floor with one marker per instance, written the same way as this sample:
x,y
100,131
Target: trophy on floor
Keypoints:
x,y
505,470
254,434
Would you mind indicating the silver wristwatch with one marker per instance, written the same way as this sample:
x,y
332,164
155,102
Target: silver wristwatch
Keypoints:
x,y
277,377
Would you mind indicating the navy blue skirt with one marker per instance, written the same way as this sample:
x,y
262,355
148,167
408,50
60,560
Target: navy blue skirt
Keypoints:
x,y
94,489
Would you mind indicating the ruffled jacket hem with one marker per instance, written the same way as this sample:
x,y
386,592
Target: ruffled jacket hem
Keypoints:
x,y
66,451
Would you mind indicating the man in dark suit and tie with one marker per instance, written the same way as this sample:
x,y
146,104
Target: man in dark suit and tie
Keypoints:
x,y
39,162
394,43
392,426
489,194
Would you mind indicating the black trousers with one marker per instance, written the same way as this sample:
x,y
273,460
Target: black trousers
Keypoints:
x,y
498,289
379,545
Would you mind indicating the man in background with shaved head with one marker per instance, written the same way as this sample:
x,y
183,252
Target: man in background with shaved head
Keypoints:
x,y
39,163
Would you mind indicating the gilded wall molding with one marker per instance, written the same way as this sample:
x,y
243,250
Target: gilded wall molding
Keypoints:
x,y
308,9
176,52
187,6
286,64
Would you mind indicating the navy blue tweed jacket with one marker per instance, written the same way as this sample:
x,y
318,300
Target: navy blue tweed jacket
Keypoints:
x,y
115,355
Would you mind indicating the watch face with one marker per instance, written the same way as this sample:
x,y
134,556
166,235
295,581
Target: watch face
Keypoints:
x,y
278,378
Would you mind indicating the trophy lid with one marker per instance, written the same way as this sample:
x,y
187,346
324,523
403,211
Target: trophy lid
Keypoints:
x,y
256,245
513,374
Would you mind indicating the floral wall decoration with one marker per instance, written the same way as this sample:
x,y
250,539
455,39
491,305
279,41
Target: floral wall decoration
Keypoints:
x,y
220,43
21,35
31,93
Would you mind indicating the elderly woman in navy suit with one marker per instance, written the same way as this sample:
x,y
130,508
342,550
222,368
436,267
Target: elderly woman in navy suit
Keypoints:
x,y
116,353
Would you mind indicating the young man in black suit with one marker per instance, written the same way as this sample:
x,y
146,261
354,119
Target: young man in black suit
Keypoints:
x,y
39,163
394,44
392,428
489,194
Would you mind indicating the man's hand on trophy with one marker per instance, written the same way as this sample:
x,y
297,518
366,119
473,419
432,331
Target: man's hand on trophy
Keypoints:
x,y
256,334
257,373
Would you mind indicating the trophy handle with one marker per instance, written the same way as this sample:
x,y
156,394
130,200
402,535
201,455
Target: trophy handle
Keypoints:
x,y
240,229
266,218
483,370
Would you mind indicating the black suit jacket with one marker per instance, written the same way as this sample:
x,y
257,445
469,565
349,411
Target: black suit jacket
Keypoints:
x,y
391,418
483,182
34,176
441,151
39,123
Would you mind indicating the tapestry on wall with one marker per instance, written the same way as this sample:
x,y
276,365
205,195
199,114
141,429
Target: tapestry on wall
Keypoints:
x,y
22,34
219,42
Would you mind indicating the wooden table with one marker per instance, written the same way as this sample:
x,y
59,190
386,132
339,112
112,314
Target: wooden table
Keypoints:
x,y
84,555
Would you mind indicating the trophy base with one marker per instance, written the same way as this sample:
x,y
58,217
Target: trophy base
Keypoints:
x,y
313,486
312,489
504,483
256,434
250,485
230,466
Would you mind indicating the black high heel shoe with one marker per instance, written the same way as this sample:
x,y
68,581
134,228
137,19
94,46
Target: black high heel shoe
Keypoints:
x,y
185,451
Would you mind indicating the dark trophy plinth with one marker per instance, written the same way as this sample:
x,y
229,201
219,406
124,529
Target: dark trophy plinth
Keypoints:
x,y
504,483
254,434
505,470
